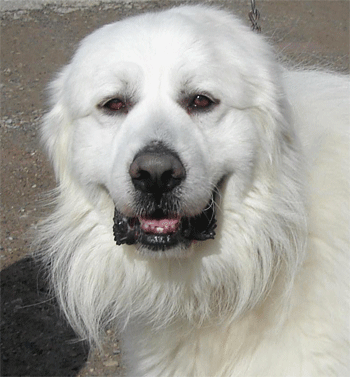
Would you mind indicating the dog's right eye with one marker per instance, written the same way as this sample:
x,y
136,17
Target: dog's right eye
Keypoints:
x,y
115,105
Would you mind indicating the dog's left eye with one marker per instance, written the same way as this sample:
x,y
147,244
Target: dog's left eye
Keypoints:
x,y
114,105
200,102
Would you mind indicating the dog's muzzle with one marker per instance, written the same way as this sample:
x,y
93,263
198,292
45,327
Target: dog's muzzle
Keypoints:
x,y
156,172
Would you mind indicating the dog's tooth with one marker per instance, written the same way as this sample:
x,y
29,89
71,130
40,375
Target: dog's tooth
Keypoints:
x,y
159,229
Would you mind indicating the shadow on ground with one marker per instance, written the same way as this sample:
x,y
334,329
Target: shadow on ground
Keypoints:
x,y
35,339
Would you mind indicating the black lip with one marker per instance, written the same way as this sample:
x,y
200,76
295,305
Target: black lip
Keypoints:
x,y
127,230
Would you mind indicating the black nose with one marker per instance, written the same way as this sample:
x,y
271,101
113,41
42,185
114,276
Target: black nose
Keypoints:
x,y
156,170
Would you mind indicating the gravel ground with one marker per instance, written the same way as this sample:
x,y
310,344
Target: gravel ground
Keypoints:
x,y
34,44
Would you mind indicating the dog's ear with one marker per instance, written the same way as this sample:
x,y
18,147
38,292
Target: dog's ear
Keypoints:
x,y
56,128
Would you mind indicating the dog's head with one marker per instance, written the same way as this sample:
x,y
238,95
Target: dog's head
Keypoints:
x,y
168,130
160,112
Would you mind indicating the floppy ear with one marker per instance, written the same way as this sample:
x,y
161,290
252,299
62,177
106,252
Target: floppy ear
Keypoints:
x,y
56,129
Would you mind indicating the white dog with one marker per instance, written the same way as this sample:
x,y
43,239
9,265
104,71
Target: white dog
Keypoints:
x,y
203,200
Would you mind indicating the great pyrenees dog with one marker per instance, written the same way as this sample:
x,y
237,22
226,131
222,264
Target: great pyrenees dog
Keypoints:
x,y
203,200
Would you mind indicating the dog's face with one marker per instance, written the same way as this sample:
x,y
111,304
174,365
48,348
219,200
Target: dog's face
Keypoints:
x,y
167,130
161,121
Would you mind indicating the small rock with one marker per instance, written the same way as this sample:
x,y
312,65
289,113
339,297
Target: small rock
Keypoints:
x,y
111,363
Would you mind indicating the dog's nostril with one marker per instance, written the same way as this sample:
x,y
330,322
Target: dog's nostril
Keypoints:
x,y
156,173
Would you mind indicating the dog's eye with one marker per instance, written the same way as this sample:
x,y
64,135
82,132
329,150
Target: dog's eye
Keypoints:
x,y
115,105
200,102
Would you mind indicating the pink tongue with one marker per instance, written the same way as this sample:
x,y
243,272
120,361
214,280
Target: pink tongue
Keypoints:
x,y
162,226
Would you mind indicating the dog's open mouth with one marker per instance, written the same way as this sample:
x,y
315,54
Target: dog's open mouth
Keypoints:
x,y
161,231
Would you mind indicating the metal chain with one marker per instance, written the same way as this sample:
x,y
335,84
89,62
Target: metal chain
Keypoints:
x,y
254,16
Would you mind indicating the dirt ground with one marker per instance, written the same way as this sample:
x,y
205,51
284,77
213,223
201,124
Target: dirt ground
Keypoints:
x,y
34,44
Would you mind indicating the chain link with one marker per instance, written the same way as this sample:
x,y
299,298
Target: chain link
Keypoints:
x,y
254,16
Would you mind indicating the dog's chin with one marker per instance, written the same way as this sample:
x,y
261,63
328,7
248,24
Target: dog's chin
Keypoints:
x,y
167,233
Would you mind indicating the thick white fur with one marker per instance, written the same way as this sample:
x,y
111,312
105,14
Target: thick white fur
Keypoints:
x,y
268,296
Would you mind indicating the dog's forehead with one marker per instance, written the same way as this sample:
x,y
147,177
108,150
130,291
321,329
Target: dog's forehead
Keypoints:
x,y
190,36
152,46
144,39
175,50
